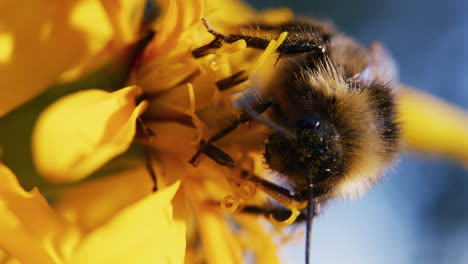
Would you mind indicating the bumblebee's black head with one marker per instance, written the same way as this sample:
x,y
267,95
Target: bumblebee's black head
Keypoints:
x,y
315,151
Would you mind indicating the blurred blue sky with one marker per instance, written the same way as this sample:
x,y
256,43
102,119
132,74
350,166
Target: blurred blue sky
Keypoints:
x,y
419,212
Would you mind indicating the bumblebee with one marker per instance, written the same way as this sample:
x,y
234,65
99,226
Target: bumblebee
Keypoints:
x,y
330,108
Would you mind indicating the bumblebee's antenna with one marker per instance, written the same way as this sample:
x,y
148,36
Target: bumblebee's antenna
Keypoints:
x,y
251,112
310,216
244,103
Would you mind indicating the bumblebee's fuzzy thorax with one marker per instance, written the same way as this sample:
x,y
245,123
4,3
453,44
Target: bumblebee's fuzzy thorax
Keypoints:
x,y
346,133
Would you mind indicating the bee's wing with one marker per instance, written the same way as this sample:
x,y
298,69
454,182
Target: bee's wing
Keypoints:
x,y
381,66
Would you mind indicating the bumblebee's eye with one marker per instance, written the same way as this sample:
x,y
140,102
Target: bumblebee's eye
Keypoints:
x,y
311,121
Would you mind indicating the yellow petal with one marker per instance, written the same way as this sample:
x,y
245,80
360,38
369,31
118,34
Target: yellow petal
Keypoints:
x,y
81,132
51,41
150,231
92,203
433,126
219,243
125,16
178,16
258,240
30,230
44,39
171,136
229,11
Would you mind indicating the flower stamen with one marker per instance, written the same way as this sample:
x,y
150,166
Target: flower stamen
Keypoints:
x,y
246,190
230,203
199,125
271,48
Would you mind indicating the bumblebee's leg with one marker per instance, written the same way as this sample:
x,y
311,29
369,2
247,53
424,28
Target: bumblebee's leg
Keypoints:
x,y
288,47
299,43
280,194
217,154
231,81
243,118
276,192
278,213
214,44
204,50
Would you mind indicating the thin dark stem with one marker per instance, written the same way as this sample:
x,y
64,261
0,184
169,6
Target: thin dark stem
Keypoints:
x,y
149,167
310,217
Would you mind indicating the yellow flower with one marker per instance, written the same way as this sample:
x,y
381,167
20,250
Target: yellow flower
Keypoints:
x,y
170,93
75,148
101,125
434,127
48,42
33,232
